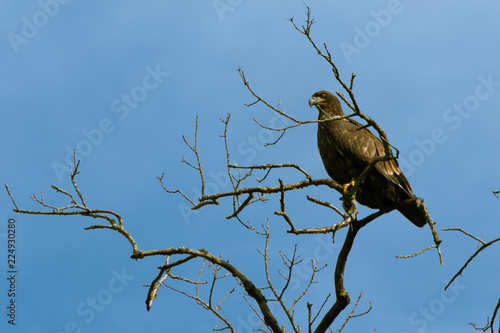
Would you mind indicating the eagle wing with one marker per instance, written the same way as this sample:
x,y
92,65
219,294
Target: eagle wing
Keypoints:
x,y
361,146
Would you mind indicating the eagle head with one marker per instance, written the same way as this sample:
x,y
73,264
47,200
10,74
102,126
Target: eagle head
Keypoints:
x,y
326,102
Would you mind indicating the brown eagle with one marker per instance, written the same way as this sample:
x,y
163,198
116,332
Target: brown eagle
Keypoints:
x,y
346,148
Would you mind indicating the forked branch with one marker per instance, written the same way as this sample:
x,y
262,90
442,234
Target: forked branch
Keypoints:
x,y
482,246
186,254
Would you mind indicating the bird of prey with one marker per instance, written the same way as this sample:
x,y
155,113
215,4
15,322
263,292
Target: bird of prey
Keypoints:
x,y
346,148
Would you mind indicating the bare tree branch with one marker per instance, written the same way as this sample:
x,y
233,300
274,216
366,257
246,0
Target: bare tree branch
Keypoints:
x,y
342,296
416,253
73,175
237,207
280,112
271,189
479,250
270,284
247,284
271,166
352,315
309,307
326,204
208,306
490,324
466,233
194,149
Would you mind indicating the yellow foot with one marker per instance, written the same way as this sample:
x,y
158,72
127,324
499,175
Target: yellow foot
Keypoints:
x,y
347,205
347,185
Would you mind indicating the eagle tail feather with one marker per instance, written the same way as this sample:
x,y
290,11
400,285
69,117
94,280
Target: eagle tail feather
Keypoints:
x,y
414,213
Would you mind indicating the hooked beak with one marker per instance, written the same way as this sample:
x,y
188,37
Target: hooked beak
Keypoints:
x,y
314,101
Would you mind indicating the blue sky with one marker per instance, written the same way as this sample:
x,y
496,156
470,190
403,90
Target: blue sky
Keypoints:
x,y
121,82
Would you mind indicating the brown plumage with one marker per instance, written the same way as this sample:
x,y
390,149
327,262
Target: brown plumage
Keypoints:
x,y
346,150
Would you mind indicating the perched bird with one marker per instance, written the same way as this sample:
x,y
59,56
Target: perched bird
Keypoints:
x,y
346,148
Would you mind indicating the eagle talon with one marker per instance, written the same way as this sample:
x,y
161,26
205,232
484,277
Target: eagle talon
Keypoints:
x,y
347,185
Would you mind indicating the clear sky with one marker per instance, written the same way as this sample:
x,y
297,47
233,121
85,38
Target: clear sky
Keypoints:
x,y
122,81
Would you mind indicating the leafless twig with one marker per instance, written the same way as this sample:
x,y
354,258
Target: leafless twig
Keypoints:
x,y
416,253
479,250
279,298
490,324
352,315
466,233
